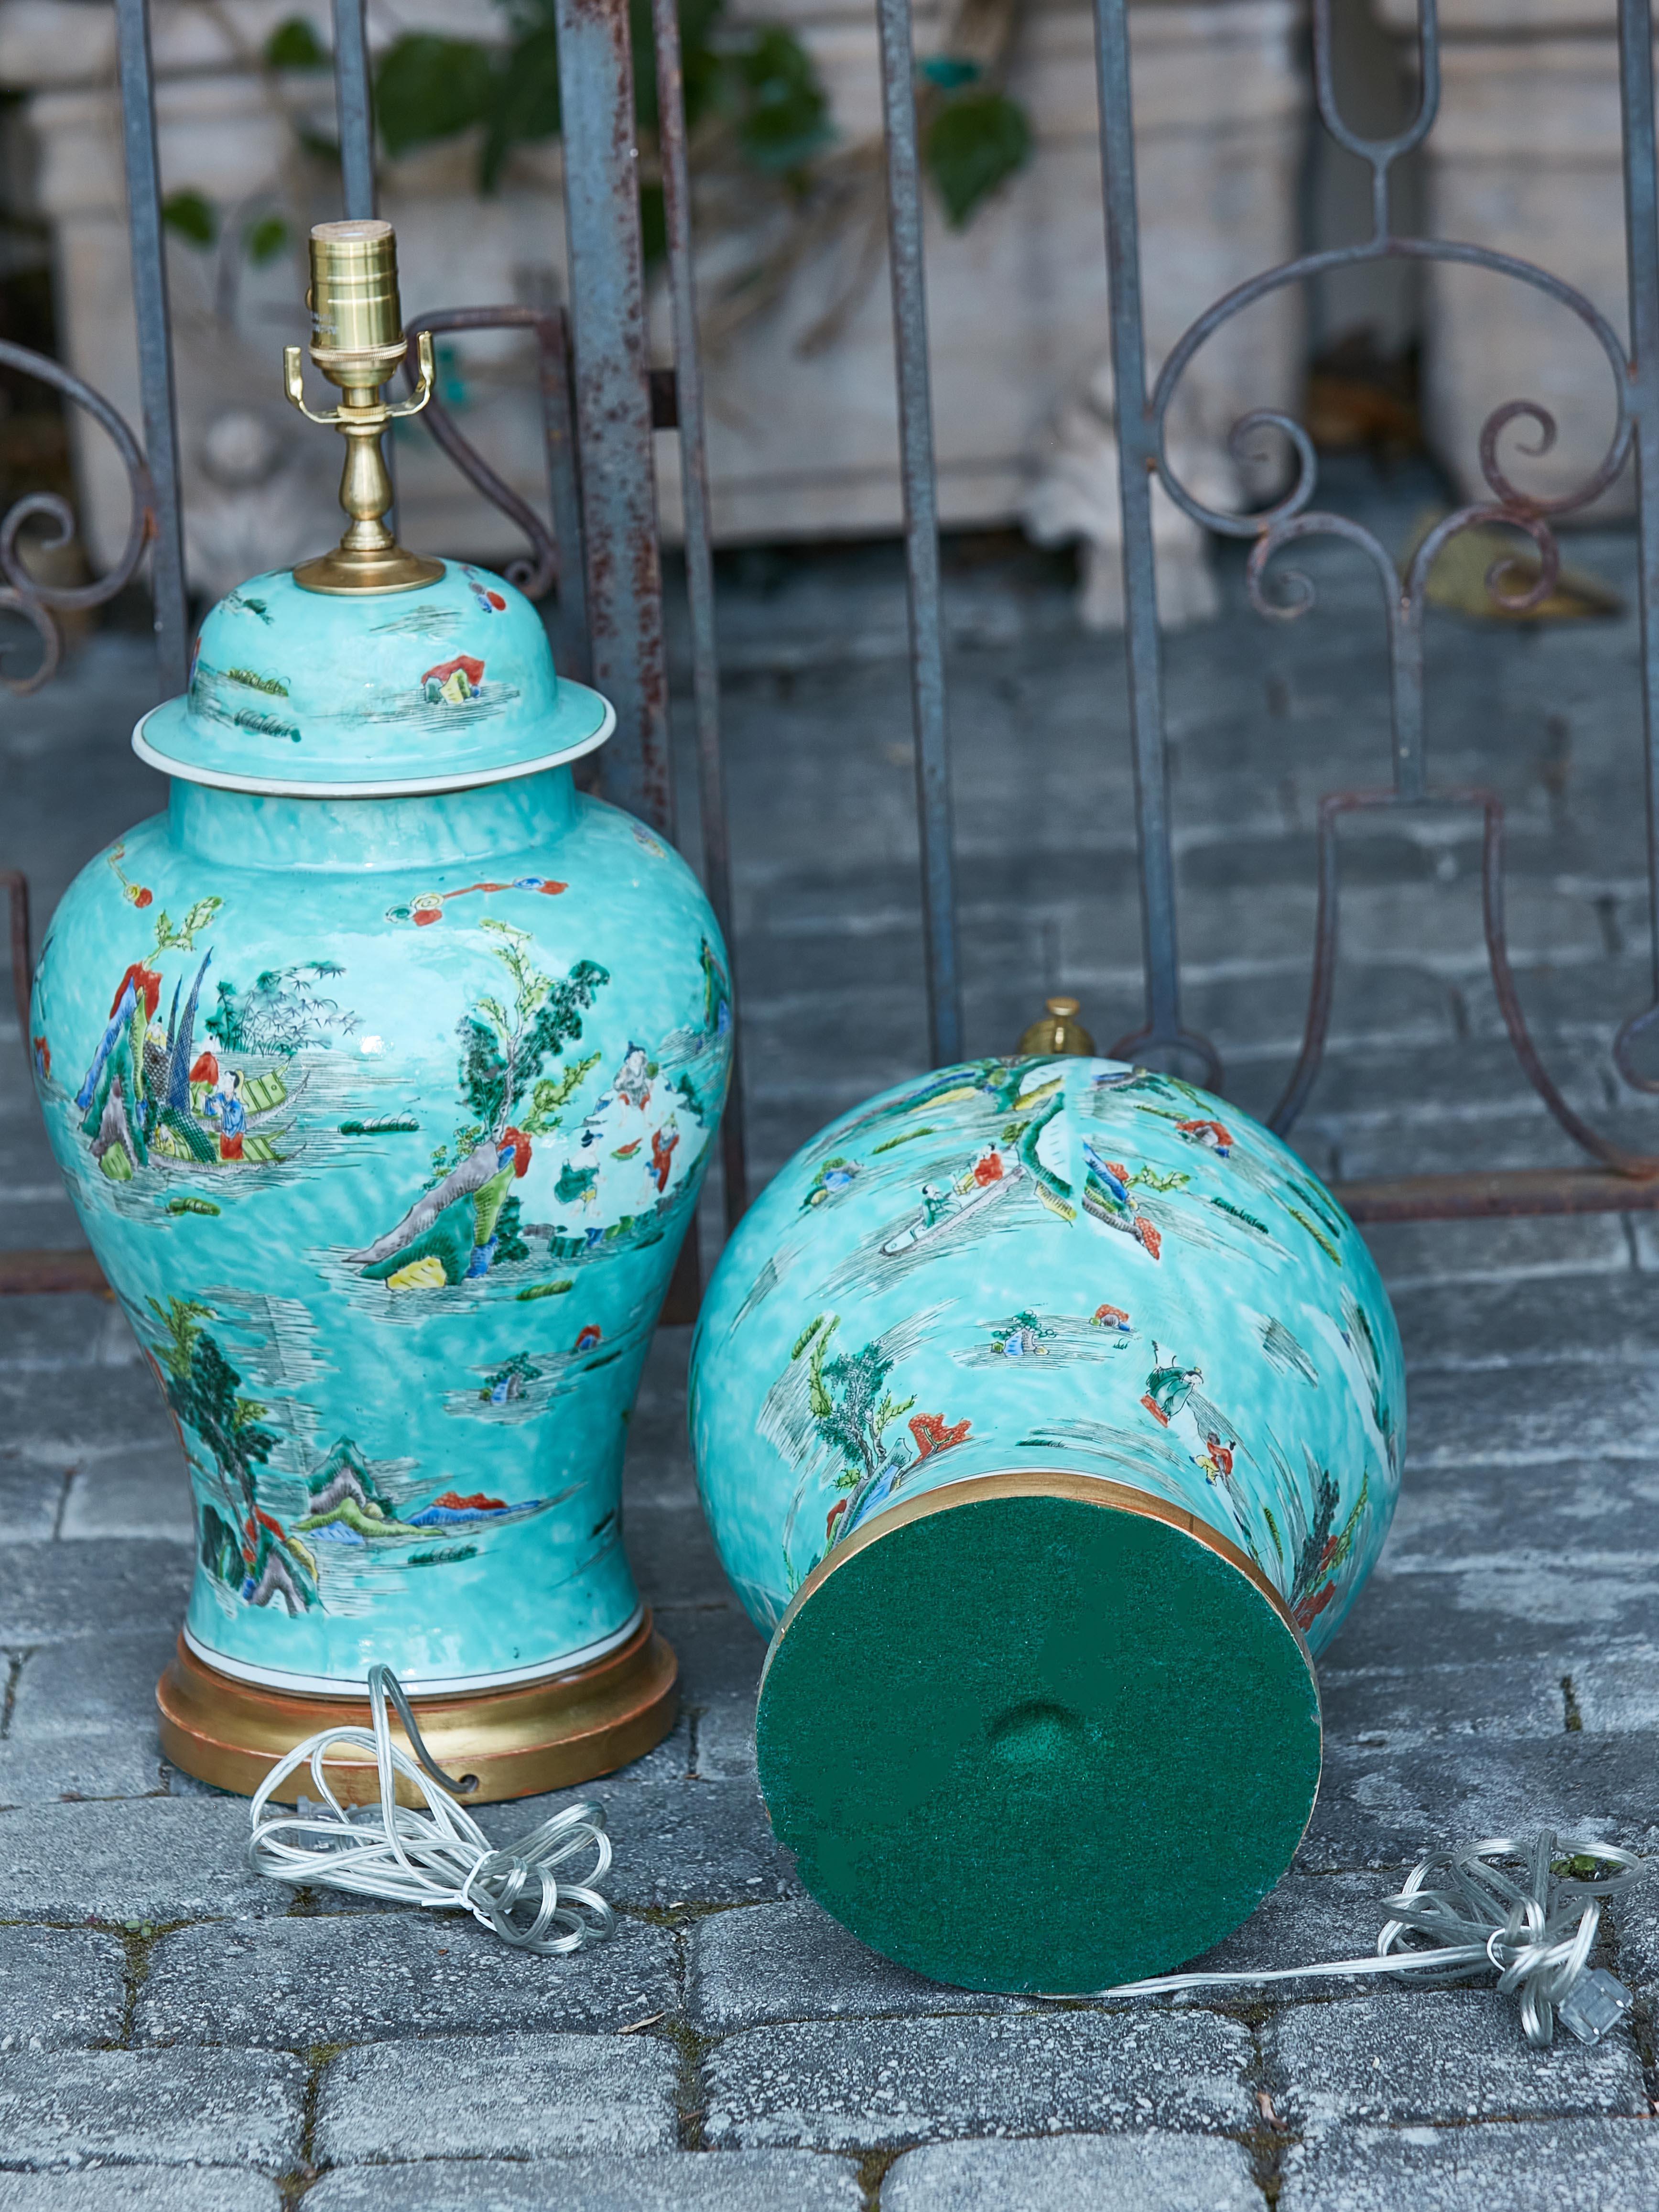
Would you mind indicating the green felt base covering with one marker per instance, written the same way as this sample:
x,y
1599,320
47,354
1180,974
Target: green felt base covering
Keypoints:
x,y
1029,1742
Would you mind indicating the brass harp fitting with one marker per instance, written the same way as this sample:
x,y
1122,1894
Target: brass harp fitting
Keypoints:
x,y
358,341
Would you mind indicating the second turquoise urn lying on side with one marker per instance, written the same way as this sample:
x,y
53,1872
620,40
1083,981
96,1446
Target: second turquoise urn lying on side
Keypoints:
x,y
1048,1415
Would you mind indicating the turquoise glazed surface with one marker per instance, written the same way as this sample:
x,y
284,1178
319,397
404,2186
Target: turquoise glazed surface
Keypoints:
x,y
384,1117
452,683
1055,1264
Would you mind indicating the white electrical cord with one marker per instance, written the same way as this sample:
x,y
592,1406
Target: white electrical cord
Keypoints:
x,y
436,1856
1470,1917
1536,1935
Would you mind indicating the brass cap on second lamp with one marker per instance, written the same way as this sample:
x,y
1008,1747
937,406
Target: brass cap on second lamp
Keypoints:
x,y
358,341
1059,1031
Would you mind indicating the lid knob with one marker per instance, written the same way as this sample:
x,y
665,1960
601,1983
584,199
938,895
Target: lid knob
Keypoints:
x,y
1059,1031
358,341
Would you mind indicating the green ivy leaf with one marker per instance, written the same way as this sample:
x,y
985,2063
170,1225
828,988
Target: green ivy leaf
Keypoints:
x,y
972,146
784,112
263,240
703,66
428,87
191,215
523,102
294,45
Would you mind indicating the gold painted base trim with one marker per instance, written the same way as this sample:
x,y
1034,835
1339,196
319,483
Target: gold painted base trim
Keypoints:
x,y
550,1734
1041,1482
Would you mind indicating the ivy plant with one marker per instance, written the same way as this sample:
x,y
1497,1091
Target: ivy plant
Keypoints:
x,y
753,104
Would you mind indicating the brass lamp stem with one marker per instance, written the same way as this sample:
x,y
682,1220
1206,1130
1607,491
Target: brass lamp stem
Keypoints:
x,y
358,341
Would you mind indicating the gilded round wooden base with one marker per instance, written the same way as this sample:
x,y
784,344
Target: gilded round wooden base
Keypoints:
x,y
549,1734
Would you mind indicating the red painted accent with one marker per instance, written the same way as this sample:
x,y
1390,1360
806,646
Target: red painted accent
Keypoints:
x,y
520,1144
142,896
1162,1419
145,982
1310,1608
426,915
1149,1237
230,1148
836,1512
589,1337
477,1503
206,1069
472,669
661,1158
988,1169
935,1435
1114,1314
259,1518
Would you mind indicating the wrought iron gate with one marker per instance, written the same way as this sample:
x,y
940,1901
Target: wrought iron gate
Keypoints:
x,y
601,404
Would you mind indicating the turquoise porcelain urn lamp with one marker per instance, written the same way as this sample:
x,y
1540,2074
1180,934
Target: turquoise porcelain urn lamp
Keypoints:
x,y
382,1070
1048,1415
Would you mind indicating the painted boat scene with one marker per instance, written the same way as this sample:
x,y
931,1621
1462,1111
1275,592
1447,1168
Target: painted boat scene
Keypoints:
x,y
204,1085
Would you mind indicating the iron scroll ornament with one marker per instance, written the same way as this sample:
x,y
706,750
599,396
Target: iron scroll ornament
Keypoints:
x,y
39,604
1516,592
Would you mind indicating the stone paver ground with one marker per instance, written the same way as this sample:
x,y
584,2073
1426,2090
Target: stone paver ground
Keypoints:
x,y
176,2034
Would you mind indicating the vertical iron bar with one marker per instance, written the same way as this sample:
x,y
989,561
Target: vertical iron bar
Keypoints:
x,y
1642,252
1137,449
149,299
613,402
904,238
353,107
699,558
558,428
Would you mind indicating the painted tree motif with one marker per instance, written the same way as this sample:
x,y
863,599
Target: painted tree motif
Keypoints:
x,y
460,1225
283,1012
850,1405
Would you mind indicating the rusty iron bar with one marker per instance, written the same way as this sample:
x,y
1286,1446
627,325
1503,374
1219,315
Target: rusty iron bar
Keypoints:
x,y
549,564
23,594
33,1274
17,885
355,110
920,486
1642,250
1143,451
614,428
1614,1158
687,413
159,403
1480,1195
613,402
41,1274
1138,444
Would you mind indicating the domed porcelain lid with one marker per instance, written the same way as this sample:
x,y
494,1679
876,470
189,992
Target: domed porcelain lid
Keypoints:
x,y
368,694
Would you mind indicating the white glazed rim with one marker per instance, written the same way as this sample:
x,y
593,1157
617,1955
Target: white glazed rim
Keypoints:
x,y
418,1685
382,787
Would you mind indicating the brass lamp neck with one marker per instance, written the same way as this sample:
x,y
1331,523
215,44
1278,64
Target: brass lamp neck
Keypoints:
x,y
357,342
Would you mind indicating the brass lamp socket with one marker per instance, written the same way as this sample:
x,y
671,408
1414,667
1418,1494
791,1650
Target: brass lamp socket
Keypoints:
x,y
356,317
358,341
